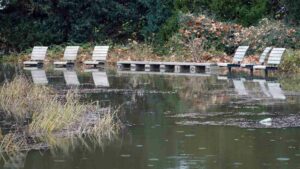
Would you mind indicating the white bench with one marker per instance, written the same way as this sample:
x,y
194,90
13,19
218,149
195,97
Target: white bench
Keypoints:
x,y
99,56
70,55
237,58
37,56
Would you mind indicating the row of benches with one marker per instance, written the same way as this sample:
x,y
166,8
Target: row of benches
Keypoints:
x,y
269,60
38,56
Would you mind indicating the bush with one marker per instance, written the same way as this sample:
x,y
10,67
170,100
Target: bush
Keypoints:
x,y
28,23
291,62
227,37
165,33
243,12
270,33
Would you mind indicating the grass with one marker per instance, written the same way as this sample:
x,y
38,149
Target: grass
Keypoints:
x,y
55,115
51,116
19,98
290,83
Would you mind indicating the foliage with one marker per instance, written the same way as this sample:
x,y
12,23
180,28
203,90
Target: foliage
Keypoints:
x,y
28,23
270,33
244,12
154,22
291,62
241,11
292,10
227,37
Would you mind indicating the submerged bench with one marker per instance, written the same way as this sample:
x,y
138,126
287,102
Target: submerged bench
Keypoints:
x,y
176,67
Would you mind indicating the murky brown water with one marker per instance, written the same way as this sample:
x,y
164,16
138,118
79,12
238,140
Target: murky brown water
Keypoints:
x,y
179,122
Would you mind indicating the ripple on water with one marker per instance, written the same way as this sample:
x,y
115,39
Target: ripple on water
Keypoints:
x,y
202,148
282,159
210,155
153,159
237,163
139,146
190,135
125,155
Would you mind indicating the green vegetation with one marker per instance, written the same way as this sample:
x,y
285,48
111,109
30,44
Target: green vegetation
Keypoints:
x,y
291,62
39,114
164,26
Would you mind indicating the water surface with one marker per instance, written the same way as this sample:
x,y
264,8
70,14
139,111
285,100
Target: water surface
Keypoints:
x,y
184,121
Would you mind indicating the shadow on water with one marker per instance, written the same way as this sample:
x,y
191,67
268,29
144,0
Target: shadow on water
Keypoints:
x,y
177,121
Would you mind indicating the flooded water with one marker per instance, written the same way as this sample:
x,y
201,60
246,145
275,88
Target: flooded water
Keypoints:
x,y
177,121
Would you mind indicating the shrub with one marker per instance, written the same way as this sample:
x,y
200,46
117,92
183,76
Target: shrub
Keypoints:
x,y
291,62
270,33
227,37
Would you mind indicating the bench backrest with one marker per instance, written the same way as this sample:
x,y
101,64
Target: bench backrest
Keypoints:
x,y
240,53
100,53
264,55
275,56
39,53
71,52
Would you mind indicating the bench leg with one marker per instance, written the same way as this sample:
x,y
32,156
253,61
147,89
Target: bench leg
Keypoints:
x,y
266,72
251,71
229,70
40,65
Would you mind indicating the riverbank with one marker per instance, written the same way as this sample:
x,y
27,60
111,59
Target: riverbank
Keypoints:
x,y
144,52
198,39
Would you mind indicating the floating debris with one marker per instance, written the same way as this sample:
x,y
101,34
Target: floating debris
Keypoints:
x,y
266,122
232,119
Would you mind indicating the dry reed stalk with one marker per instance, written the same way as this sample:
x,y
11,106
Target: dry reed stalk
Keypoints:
x,y
52,117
